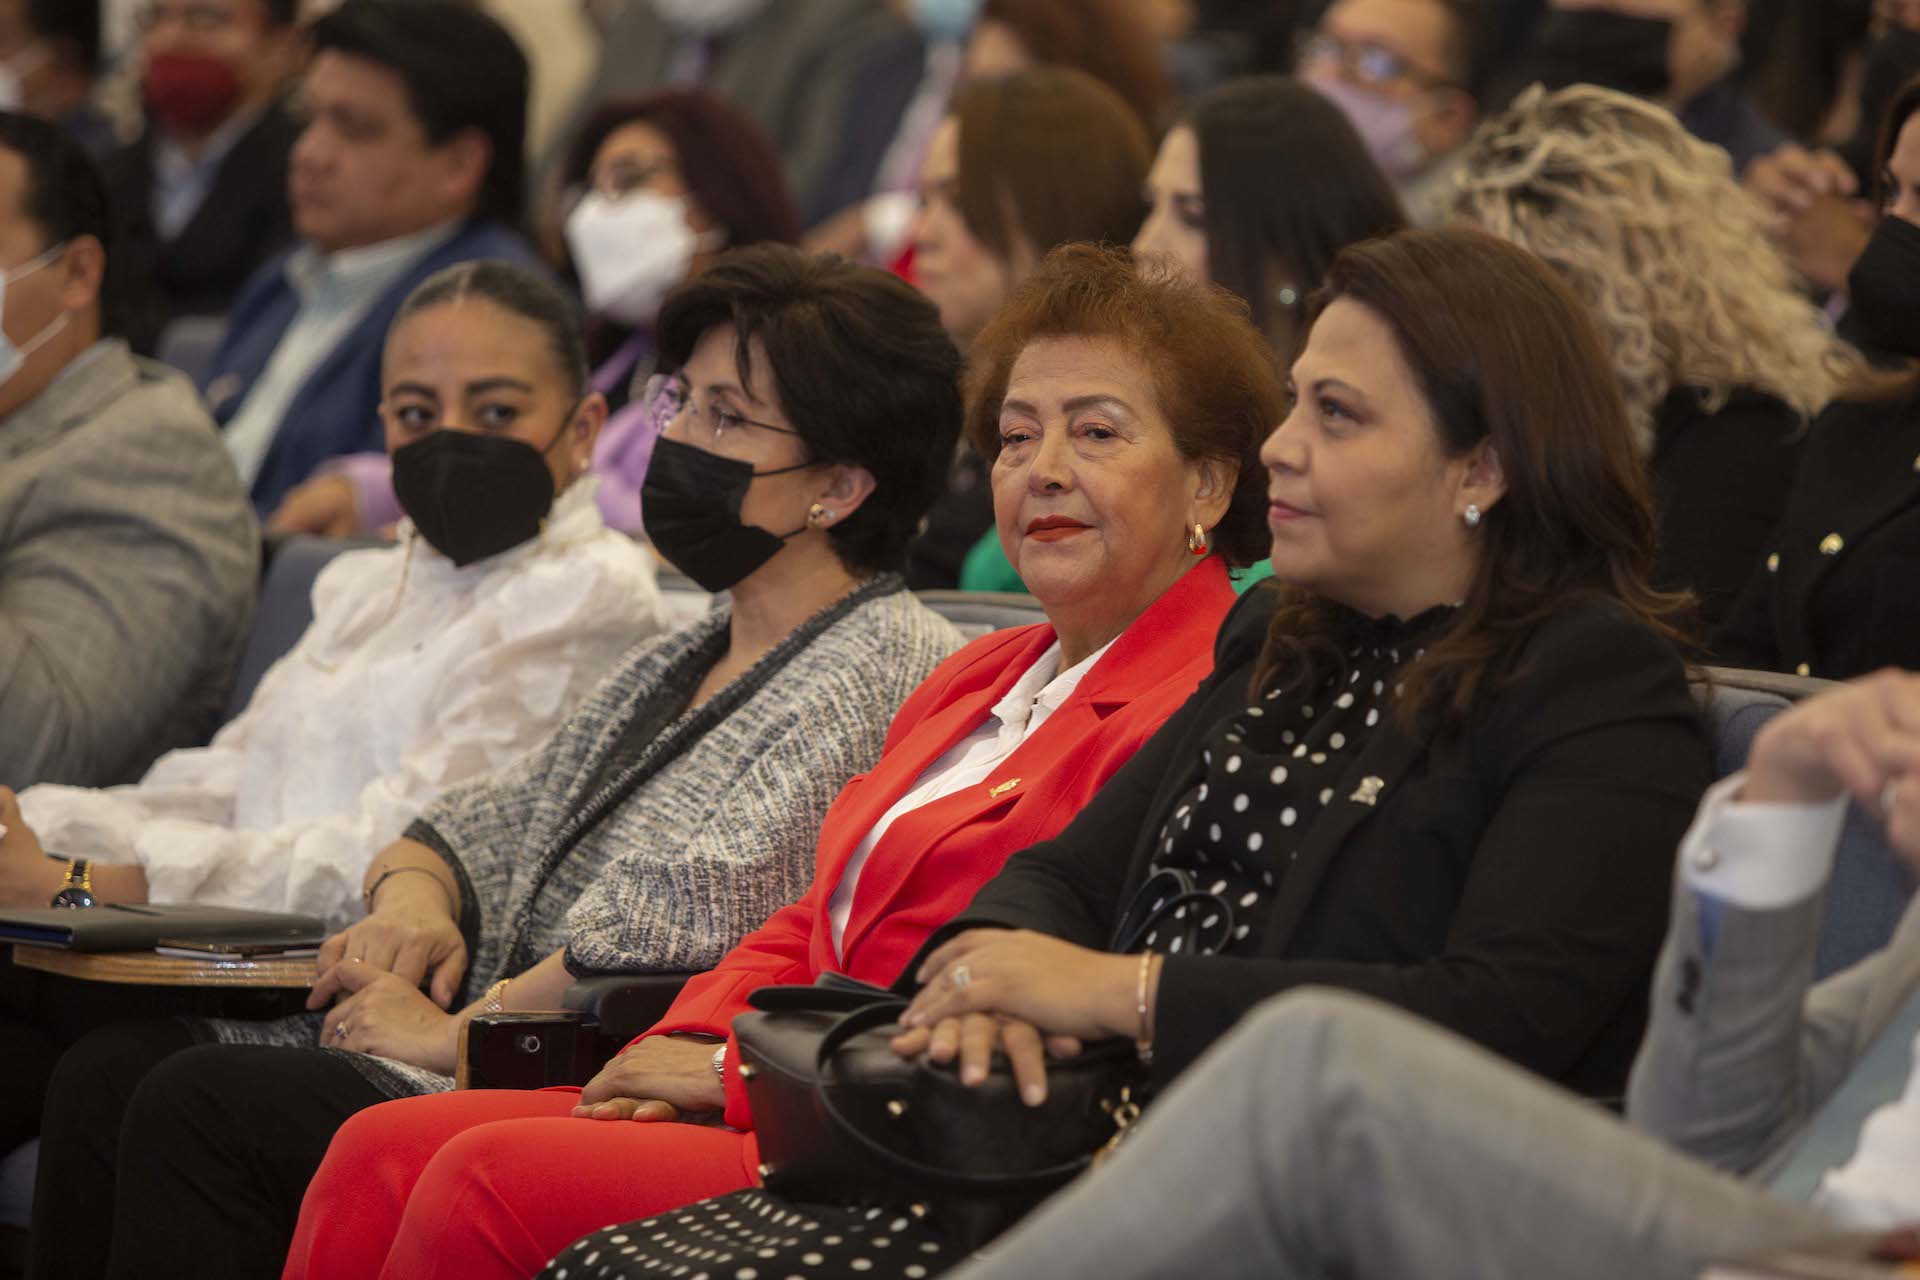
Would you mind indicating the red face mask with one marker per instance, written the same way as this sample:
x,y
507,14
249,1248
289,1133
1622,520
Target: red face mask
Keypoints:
x,y
190,93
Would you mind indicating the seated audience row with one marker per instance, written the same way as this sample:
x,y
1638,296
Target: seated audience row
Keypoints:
x,y
1386,507
674,811
1502,476
426,666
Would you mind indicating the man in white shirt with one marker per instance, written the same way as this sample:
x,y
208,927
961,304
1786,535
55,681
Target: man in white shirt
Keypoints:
x,y
410,162
1340,1138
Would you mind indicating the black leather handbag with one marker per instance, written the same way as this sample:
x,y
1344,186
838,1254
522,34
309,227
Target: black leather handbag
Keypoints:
x,y
842,1119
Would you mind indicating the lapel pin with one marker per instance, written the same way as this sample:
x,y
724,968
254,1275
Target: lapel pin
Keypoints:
x,y
1004,787
1369,791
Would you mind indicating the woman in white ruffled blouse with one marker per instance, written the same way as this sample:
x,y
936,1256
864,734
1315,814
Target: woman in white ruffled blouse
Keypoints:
x,y
427,664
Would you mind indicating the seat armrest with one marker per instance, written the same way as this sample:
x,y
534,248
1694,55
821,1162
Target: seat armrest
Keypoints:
x,y
622,1005
531,1050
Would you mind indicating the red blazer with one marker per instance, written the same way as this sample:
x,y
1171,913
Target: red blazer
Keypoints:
x,y
933,859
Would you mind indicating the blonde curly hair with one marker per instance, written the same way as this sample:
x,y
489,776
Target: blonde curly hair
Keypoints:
x,y
1647,224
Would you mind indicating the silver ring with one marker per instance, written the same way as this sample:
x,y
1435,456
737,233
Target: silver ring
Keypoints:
x,y
960,976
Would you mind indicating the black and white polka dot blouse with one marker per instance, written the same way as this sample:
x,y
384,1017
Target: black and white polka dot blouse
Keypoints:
x,y
1271,769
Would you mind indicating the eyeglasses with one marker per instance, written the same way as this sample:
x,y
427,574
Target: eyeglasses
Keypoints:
x,y
667,396
194,17
1369,64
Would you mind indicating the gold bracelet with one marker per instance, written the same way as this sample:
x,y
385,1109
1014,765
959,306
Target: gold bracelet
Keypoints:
x,y
1143,1043
495,1001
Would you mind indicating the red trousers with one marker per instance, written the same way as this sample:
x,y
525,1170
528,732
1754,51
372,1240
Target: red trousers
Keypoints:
x,y
495,1183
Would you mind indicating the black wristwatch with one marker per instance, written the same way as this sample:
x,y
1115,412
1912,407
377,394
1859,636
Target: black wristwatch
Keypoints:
x,y
78,889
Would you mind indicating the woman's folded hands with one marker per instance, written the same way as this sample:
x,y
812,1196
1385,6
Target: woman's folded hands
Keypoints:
x,y
1021,993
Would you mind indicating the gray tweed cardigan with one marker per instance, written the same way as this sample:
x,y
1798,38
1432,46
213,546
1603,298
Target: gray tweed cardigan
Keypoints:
x,y
718,837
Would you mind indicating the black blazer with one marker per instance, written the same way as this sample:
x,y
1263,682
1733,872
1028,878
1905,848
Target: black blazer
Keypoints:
x,y
1837,591
1508,880
1720,482
242,222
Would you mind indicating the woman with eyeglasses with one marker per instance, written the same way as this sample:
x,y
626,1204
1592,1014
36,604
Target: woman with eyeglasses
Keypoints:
x,y
671,812
652,190
1122,415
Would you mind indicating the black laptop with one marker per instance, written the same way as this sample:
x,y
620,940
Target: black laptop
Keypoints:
x,y
138,926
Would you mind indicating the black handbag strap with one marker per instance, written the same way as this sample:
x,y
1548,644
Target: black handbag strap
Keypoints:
x,y
878,1014
1155,903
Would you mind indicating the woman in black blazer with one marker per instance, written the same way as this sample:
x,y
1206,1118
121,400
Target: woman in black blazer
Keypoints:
x,y
1505,877
1836,592
1447,765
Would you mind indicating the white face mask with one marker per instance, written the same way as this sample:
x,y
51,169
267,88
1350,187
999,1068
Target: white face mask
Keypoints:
x,y
706,17
631,251
1385,124
11,356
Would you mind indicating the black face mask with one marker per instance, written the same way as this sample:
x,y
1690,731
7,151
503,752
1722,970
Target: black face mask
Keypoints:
x,y
473,495
1612,50
690,503
1883,291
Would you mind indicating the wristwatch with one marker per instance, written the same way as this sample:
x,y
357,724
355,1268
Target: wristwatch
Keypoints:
x,y
720,1060
77,890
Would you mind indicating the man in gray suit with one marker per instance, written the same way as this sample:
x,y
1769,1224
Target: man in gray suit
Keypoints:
x,y
1330,1136
128,552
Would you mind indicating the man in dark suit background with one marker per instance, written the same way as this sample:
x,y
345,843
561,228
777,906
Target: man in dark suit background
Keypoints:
x,y
204,189
411,160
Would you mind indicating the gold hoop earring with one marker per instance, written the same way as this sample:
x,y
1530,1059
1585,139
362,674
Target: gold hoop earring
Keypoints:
x,y
1197,540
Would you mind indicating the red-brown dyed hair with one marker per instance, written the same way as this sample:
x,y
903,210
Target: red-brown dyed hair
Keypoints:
x,y
1216,378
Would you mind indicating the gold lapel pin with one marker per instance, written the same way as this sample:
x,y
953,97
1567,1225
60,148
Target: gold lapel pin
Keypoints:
x,y
1003,788
1368,791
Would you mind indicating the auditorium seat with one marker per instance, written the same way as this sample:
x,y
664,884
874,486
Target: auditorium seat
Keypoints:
x,y
974,613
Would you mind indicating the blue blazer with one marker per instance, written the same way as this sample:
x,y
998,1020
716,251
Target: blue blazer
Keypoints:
x,y
333,412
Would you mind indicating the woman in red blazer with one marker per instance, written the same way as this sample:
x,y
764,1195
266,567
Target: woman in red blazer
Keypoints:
x,y
1122,415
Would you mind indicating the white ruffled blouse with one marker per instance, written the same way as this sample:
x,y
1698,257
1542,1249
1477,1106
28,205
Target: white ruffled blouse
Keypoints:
x,y
415,675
